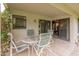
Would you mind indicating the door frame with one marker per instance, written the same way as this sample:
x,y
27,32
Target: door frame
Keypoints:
x,y
45,23
67,28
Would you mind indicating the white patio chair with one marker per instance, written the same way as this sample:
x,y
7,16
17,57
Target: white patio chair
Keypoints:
x,y
51,32
18,46
43,43
31,34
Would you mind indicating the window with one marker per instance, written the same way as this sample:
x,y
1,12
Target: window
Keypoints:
x,y
19,22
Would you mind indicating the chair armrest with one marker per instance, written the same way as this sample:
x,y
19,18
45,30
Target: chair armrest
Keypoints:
x,y
19,41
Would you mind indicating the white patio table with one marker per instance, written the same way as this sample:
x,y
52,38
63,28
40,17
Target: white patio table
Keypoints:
x,y
30,42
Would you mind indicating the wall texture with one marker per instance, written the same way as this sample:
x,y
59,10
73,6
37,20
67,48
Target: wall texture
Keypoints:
x,y
20,34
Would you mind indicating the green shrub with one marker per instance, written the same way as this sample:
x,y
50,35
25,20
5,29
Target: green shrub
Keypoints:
x,y
5,28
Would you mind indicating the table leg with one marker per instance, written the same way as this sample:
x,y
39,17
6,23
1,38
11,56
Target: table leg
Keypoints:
x,y
29,51
32,50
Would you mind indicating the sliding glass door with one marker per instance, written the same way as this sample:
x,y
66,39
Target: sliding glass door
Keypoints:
x,y
62,28
44,26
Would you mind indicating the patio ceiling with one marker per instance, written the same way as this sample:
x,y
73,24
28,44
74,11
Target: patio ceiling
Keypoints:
x,y
38,8
52,9
74,7
70,8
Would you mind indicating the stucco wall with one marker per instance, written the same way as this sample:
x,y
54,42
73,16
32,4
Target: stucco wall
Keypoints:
x,y
20,34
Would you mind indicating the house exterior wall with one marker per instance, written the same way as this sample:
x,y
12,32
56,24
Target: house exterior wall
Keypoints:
x,y
73,30
20,34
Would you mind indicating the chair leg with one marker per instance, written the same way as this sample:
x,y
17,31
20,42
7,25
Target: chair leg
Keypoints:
x,y
29,51
36,51
10,49
32,50
41,51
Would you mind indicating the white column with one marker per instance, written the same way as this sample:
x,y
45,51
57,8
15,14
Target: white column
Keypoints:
x,y
73,30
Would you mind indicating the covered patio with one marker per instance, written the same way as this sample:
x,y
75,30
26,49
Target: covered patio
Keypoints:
x,y
58,20
58,48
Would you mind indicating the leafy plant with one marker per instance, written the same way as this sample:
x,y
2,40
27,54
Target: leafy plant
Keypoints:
x,y
5,28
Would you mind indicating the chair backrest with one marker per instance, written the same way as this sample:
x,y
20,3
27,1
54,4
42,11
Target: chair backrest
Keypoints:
x,y
50,31
12,40
30,32
44,39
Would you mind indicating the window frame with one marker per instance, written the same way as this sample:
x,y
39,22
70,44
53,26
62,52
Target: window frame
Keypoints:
x,y
20,18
